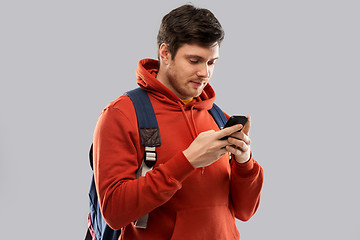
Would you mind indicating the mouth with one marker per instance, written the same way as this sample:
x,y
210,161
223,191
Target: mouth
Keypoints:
x,y
197,84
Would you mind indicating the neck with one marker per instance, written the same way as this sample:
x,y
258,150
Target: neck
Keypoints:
x,y
161,77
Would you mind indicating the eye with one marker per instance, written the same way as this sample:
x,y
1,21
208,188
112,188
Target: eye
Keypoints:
x,y
211,62
193,61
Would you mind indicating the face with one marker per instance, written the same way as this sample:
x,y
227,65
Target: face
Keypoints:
x,y
189,72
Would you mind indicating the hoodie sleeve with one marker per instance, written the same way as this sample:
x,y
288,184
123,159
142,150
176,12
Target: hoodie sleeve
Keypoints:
x,y
245,184
117,156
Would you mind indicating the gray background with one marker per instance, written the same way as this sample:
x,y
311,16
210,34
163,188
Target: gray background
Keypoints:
x,y
292,65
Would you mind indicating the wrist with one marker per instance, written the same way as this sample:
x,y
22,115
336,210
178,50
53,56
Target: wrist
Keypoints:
x,y
189,157
242,159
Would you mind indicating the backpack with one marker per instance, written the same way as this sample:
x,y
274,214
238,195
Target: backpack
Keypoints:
x,y
150,137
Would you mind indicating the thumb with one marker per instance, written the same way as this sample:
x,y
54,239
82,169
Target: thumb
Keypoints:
x,y
247,126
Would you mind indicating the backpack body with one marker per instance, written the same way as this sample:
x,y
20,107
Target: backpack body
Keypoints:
x,y
149,130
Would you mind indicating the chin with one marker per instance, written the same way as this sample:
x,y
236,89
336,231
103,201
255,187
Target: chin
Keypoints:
x,y
198,94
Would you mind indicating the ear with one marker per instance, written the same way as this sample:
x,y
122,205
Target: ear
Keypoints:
x,y
164,53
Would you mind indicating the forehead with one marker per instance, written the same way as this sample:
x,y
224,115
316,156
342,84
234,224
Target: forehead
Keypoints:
x,y
195,50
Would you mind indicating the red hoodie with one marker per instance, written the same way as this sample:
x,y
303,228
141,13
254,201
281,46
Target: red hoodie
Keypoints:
x,y
184,203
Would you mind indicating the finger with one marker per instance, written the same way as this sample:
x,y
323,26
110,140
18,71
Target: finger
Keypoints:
x,y
228,131
247,126
233,150
241,136
239,144
222,152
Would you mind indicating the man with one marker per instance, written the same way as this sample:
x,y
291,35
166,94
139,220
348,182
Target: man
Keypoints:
x,y
193,192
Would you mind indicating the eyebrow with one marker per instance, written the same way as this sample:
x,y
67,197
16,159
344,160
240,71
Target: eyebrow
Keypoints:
x,y
199,57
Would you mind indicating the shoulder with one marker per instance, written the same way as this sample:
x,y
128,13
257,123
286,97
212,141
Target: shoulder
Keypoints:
x,y
119,110
121,103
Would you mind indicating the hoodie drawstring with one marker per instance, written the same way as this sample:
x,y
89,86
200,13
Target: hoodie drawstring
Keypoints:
x,y
193,130
193,120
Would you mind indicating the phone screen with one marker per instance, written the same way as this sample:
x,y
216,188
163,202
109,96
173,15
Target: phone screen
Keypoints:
x,y
233,120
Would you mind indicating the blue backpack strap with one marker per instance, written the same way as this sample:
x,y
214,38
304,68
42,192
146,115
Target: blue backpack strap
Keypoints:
x,y
218,115
150,136
147,123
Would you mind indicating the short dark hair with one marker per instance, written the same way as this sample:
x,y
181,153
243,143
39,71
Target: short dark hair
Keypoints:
x,y
191,25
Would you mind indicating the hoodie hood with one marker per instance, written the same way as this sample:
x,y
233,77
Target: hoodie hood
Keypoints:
x,y
146,78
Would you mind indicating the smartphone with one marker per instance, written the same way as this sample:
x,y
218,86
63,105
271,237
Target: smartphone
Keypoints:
x,y
234,120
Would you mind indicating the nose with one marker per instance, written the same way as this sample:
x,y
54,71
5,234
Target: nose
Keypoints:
x,y
204,71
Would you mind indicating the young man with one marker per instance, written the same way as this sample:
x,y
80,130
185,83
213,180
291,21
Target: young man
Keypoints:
x,y
193,192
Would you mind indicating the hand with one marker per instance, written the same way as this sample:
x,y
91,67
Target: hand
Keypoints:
x,y
240,143
207,147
